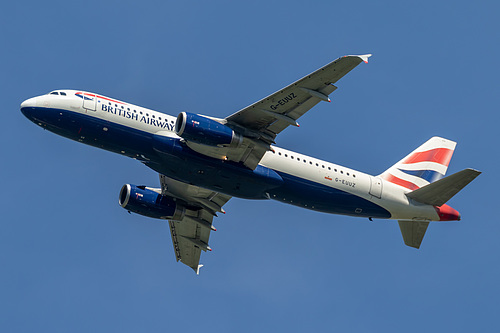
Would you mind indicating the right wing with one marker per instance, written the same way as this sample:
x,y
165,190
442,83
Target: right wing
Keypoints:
x,y
190,233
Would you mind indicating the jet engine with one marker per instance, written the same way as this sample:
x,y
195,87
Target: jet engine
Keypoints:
x,y
203,130
149,202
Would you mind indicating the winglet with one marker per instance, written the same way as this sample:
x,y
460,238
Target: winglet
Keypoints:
x,y
198,269
363,57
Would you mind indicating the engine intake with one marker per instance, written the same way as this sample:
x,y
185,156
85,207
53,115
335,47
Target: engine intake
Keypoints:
x,y
200,129
148,202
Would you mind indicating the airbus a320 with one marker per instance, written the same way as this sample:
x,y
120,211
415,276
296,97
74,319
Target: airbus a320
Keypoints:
x,y
203,161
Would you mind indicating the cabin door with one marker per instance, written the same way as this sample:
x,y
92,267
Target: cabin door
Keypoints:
x,y
376,187
89,101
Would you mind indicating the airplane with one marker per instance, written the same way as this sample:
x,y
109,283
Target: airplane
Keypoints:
x,y
203,161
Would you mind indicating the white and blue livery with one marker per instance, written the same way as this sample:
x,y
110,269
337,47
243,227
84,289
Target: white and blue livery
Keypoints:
x,y
204,161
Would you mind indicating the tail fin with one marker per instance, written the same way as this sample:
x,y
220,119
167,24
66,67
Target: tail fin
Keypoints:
x,y
424,165
422,172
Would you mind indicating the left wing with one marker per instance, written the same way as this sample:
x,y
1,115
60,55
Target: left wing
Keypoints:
x,y
191,233
263,120
277,111
255,127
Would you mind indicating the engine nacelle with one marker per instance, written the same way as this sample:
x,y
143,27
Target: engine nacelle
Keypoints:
x,y
199,129
147,202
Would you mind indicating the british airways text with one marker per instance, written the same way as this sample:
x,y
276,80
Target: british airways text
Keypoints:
x,y
140,118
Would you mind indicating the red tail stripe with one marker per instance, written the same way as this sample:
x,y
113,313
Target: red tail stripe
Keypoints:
x,y
400,182
438,155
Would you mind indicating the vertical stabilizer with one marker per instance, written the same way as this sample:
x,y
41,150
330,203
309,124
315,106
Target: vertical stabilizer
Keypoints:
x,y
424,165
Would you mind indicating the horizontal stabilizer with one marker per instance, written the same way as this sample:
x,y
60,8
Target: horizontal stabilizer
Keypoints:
x,y
413,232
439,192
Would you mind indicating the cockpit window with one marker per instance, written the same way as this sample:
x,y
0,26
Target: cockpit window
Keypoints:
x,y
62,93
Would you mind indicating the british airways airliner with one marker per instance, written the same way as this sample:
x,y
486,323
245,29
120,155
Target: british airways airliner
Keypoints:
x,y
203,161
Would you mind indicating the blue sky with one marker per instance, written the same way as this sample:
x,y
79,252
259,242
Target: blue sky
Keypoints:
x,y
72,260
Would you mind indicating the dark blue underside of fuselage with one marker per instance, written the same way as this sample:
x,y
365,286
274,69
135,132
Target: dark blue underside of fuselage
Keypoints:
x,y
174,159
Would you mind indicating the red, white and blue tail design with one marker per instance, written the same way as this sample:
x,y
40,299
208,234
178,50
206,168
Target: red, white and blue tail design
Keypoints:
x,y
424,165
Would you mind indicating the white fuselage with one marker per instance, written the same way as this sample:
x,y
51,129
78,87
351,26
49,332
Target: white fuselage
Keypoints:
x,y
301,168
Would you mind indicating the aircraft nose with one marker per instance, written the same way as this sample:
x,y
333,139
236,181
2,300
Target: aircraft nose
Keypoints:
x,y
30,102
27,107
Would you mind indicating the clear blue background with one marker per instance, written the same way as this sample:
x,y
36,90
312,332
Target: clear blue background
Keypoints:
x,y
72,260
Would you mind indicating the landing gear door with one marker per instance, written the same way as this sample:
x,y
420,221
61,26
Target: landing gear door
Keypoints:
x,y
89,101
376,187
